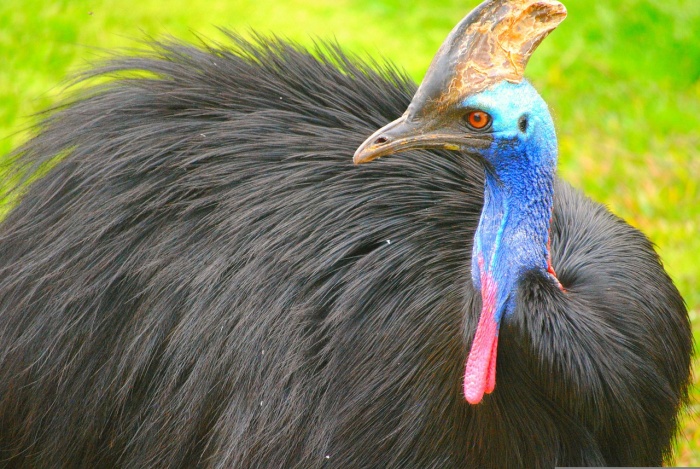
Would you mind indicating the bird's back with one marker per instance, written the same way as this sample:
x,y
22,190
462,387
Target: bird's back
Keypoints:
x,y
205,278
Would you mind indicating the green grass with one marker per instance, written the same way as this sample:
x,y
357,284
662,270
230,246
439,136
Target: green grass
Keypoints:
x,y
622,78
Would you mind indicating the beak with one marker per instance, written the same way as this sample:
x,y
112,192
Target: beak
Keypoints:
x,y
404,134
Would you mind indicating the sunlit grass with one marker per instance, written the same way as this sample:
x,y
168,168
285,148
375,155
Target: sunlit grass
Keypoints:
x,y
622,78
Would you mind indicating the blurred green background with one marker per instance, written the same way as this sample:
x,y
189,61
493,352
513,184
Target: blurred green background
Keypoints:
x,y
622,78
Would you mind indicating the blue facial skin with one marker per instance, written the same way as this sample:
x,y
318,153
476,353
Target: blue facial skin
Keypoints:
x,y
513,231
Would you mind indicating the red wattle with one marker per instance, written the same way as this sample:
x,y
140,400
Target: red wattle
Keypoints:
x,y
550,268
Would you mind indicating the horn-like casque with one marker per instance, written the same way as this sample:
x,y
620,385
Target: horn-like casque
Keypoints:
x,y
491,44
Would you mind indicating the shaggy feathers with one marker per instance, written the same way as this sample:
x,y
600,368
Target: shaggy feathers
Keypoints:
x,y
205,279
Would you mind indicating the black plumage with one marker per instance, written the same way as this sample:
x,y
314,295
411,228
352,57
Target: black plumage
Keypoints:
x,y
205,279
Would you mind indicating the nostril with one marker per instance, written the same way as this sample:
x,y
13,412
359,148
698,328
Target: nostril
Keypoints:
x,y
381,140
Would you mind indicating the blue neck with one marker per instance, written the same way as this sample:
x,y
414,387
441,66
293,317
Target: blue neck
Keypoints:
x,y
513,233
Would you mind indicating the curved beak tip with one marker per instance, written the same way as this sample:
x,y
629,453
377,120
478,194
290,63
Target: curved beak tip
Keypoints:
x,y
357,157
364,154
382,142
376,146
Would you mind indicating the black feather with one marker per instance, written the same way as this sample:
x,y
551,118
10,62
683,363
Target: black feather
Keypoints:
x,y
205,279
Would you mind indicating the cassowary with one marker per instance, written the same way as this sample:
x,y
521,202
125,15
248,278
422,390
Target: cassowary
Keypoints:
x,y
199,276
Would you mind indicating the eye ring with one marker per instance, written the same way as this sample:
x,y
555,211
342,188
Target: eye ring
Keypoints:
x,y
479,121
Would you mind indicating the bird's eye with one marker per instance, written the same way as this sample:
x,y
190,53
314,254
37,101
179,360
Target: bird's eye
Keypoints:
x,y
477,120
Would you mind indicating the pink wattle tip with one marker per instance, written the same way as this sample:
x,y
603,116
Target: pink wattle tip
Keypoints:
x,y
480,373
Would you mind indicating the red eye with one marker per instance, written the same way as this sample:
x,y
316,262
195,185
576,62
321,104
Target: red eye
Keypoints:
x,y
478,120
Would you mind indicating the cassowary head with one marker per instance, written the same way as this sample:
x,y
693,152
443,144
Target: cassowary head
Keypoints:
x,y
474,99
